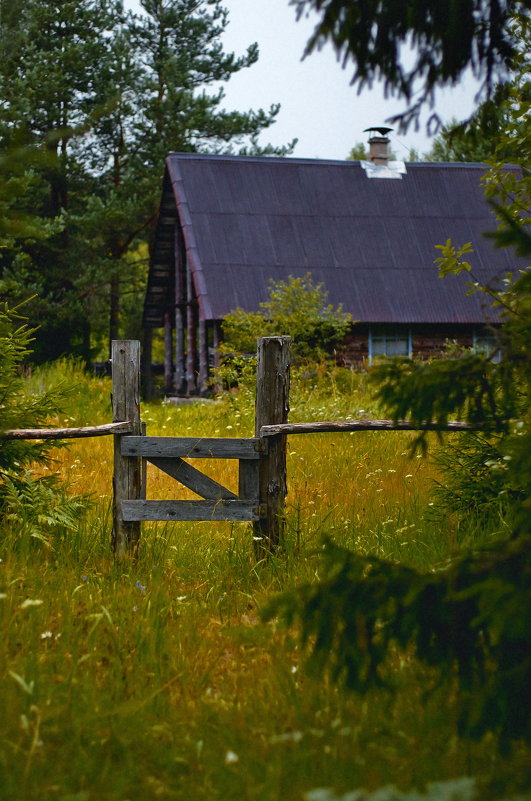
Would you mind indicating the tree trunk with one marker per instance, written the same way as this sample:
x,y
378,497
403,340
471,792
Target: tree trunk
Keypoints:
x,y
114,312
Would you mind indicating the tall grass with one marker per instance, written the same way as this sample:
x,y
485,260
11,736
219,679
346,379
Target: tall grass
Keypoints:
x,y
159,680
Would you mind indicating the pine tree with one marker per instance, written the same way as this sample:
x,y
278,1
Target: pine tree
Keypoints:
x,y
49,82
116,92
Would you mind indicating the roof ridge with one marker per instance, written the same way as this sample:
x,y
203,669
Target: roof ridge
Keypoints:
x,y
308,161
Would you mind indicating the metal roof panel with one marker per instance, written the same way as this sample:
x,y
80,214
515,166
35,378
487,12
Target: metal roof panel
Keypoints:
x,y
247,220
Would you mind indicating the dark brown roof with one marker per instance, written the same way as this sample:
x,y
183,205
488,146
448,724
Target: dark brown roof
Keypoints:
x,y
370,241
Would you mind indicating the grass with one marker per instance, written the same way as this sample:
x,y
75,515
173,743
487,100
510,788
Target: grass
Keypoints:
x,y
159,680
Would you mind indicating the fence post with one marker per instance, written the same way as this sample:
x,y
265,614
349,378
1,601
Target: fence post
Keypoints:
x,y
272,406
127,479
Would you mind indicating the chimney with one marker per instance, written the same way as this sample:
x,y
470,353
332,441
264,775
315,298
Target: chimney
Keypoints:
x,y
378,146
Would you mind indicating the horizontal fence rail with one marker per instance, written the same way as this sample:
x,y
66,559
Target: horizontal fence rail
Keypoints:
x,y
225,447
241,511
363,425
67,433
262,481
193,447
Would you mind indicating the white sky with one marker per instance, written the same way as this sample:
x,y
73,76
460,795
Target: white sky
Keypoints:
x,y
318,105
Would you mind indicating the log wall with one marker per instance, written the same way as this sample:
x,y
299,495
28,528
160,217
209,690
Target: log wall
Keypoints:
x,y
428,342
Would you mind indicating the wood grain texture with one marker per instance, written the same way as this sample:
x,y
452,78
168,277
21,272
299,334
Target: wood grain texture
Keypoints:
x,y
249,480
68,433
272,407
222,510
363,425
192,447
127,479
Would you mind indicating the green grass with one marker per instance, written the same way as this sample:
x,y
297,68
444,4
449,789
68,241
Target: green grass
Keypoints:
x,y
159,680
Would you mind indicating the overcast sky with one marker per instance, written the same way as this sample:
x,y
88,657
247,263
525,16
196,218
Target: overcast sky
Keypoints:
x,y
318,105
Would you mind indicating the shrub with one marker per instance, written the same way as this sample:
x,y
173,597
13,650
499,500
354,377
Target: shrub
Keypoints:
x,y
298,308
33,504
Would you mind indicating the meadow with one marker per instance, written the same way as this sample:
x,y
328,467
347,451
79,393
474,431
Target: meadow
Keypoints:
x,y
159,678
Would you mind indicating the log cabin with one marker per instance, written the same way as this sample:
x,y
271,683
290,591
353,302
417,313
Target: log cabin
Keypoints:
x,y
366,230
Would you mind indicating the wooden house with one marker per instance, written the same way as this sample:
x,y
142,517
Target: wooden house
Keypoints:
x,y
366,230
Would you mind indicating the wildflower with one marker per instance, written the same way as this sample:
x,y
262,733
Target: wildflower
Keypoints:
x,y
287,737
30,602
231,758
46,634
141,587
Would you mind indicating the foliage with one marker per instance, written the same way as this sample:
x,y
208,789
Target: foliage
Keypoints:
x,y
482,136
473,487
467,620
148,680
17,176
296,307
37,507
18,410
33,504
475,138
117,92
445,38
358,152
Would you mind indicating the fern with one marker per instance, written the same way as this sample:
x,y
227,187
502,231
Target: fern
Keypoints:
x,y
31,505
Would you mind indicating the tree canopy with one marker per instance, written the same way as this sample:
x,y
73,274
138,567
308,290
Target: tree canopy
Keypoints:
x,y
105,94
415,46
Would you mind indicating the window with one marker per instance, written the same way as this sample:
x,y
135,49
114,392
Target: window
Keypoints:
x,y
485,341
389,340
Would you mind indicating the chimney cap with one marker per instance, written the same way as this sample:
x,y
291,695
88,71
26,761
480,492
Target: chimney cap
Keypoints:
x,y
381,130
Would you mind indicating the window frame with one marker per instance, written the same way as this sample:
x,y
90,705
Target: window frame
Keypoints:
x,y
485,341
391,331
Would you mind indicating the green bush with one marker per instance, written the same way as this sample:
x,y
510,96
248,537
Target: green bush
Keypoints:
x,y
33,504
297,308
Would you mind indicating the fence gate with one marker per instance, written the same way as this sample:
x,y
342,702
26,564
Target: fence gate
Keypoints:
x,y
169,454
262,461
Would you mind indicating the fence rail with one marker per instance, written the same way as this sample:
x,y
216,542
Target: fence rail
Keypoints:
x,y
68,433
262,481
339,426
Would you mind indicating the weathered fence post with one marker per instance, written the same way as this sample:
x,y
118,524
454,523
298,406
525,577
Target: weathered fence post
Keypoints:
x,y
127,480
272,406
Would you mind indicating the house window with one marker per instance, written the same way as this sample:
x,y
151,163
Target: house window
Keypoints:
x,y
389,340
485,341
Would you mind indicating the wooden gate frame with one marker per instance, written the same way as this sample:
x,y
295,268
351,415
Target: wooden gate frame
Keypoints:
x,y
262,484
262,459
168,454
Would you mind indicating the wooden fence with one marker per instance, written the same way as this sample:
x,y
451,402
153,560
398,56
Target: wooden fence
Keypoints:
x,y
262,483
